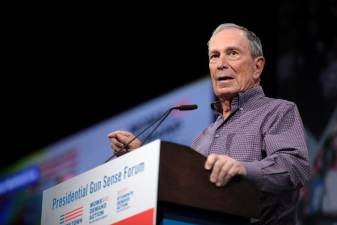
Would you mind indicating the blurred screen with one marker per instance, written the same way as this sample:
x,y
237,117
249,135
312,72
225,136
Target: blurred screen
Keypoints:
x,y
21,185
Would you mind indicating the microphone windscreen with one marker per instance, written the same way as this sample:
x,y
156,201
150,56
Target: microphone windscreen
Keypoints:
x,y
187,107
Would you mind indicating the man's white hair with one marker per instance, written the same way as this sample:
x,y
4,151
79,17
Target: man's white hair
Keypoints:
x,y
254,41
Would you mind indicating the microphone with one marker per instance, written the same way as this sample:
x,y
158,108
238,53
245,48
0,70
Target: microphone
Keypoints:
x,y
186,107
160,120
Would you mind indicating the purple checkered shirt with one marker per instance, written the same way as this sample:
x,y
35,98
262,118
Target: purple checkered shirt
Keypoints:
x,y
266,135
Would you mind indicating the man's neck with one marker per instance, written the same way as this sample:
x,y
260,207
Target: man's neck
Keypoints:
x,y
226,107
226,102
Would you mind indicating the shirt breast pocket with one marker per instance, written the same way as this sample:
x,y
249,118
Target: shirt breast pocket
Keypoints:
x,y
245,147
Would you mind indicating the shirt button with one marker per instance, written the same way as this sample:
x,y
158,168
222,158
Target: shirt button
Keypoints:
x,y
217,135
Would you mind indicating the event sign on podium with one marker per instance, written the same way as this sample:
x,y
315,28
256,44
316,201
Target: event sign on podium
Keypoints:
x,y
122,191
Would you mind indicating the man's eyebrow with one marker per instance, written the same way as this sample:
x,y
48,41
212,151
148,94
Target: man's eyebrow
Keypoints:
x,y
229,48
232,48
213,51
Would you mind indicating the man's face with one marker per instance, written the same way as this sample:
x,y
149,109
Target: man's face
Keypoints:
x,y
231,65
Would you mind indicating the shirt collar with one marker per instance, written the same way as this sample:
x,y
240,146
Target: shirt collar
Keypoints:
x,y
241,100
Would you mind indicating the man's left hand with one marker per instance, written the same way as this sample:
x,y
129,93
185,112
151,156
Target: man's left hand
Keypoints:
x,y
224,168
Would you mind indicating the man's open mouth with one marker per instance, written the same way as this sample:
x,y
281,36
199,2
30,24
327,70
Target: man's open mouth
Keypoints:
x,y
224,78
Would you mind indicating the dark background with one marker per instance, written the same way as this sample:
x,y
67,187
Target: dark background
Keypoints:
x,y
67,67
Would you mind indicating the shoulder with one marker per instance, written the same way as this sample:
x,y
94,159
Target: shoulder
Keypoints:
x,y
279,104
279,110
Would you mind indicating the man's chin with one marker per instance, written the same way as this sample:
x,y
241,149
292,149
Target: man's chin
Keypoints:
x,y
226,92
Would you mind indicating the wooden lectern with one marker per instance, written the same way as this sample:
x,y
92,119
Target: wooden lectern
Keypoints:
x,y
185,192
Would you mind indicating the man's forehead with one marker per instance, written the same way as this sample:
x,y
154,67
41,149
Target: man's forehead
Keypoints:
x,y
228,38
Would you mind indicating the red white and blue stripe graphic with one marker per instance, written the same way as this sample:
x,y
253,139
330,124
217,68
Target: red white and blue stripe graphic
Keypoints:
x,y
73,214
143,218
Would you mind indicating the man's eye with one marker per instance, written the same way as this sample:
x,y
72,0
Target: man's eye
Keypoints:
x,y
232,53
213,56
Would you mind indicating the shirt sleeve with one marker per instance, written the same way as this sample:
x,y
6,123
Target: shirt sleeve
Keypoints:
x,y
286,165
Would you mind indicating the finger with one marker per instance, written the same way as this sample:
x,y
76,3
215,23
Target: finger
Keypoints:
x,y
226,167
112,134
117,145
119,152
120,132
123,138
216,169
115,149
210,161
230,174
125,133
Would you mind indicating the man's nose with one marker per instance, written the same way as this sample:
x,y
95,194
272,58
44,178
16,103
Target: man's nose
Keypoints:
x,y
222,63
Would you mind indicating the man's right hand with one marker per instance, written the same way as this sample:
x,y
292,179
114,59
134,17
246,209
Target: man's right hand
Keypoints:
x,y
120,138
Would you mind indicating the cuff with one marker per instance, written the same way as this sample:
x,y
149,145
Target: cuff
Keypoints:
x,y
254,173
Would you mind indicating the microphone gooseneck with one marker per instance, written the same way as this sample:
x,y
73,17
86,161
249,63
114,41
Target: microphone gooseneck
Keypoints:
x,y
160,120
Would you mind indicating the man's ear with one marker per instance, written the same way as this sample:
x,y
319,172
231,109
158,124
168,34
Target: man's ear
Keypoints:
x,y
259,65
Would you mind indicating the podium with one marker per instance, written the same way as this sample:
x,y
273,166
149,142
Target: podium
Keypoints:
x,y
192,193
160,180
